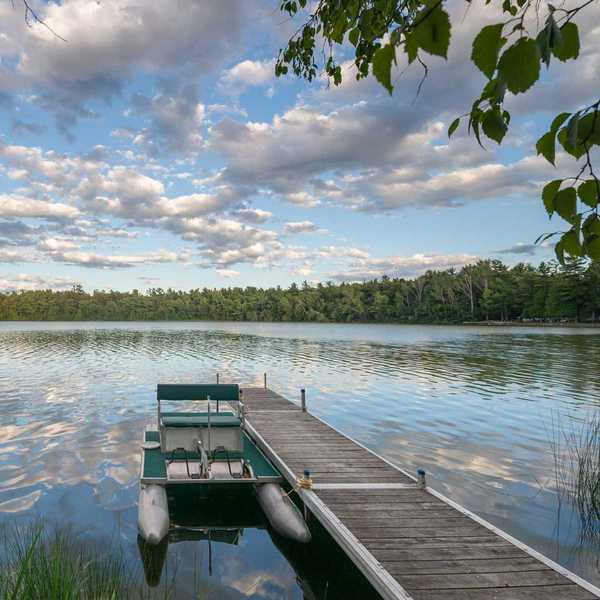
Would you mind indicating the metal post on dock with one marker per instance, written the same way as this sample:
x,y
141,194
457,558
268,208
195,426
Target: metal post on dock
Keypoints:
x,y
217,379
265,378
303,399
421,482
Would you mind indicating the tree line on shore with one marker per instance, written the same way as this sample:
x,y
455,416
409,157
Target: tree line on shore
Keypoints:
x,y
486,290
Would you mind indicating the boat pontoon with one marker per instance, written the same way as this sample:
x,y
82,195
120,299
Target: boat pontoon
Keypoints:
x,y
206,452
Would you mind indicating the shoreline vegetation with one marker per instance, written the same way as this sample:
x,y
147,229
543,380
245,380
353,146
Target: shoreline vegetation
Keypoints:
x,y
485,293
39,561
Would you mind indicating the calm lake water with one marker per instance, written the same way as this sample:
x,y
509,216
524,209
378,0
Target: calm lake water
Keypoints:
x,y
474,406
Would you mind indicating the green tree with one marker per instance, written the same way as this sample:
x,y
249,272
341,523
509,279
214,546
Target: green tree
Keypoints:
x,y
510,53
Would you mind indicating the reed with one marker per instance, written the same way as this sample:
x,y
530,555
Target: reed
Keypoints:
x,y
576,449
38,563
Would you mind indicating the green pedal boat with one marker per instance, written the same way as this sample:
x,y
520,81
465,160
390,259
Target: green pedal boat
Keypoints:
x,y
206,452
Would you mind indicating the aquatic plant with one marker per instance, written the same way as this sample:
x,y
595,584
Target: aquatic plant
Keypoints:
x,y
576,449
37,563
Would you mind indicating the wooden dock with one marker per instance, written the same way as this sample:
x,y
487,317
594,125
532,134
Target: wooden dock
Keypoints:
x,y
410,542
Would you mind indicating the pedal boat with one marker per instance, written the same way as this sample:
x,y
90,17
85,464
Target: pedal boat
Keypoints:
x,y
206,452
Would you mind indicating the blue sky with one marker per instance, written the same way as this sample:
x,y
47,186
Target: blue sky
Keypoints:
x,y
155,147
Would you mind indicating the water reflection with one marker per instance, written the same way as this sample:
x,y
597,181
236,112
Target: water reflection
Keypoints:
x,y
473,406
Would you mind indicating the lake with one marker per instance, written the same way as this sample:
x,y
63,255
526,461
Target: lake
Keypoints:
x,y
474,406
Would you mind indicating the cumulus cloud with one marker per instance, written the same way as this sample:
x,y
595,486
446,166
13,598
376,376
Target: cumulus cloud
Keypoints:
x,y
93,260
56,245
300,227
227,273
12,255
401,266
253,216
24,281
176,120
14,205
15,232
246,74
108,42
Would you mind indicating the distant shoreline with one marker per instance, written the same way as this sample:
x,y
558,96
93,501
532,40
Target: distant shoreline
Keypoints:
x,y
573,325
534,324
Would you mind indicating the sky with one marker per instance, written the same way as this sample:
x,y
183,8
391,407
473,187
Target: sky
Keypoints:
x,y
152,146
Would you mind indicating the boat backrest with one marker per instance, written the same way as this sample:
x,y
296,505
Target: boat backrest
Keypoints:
x,y
218,391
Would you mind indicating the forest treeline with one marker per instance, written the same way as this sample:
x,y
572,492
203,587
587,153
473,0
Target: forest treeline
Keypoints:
x,y
487,290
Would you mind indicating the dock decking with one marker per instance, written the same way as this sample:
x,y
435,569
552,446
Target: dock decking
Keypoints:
x,y
410,543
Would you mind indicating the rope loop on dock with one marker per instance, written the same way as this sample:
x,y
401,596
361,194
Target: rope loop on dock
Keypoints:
x,y
304,482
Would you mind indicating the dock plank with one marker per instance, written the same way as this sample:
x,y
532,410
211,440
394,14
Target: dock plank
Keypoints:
x,y
412,544
559,592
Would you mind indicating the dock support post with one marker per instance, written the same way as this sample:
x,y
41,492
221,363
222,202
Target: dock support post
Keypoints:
x,y
217,379
421,479
265,379
303,399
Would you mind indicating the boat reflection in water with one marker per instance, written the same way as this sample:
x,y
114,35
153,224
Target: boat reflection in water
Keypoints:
x,y
322,571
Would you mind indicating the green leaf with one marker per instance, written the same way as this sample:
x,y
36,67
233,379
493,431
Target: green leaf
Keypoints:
x,y
486,47
546,146
543,42
569,45
591,226
549,193
576,151
571,244
411,47
572,129
559,120
432,33
382,66
453,127
493,125
519,65
588,192
560,251
591,237
555,34
565,204
588,130
339,28
354,35
592,248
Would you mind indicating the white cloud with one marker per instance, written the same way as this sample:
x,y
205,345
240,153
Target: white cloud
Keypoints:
x,y
109,42
56,245
401,266
23,281
13,205
246,74
11,255
300,227
176,121
253,216
227,273
100,261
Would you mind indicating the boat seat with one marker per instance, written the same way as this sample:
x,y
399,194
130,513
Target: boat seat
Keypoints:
x,y
201,420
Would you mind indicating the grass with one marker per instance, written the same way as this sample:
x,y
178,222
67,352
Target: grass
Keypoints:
x,y
576,450
39,564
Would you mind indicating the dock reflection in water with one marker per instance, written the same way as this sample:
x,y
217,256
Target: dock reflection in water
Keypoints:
x,y
202,529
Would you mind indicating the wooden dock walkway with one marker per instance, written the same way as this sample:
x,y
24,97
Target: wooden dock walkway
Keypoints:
x,y
410,543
